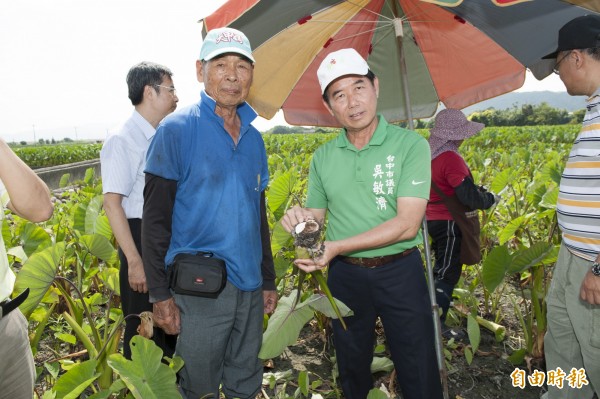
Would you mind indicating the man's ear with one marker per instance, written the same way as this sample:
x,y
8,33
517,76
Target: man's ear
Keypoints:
x,y
149,92
199,74
326,104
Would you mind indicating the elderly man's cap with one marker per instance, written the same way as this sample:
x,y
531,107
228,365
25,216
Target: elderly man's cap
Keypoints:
x,y
579,33
341,63
225,40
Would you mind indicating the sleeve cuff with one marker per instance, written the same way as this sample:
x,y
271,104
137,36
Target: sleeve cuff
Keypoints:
x,y
269,285
159,294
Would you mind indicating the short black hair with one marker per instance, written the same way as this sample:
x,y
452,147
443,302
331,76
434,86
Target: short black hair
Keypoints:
x,y
370,75
145,74
593,52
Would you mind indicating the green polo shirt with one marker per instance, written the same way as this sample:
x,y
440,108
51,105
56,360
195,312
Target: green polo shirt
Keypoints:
x,y
359,188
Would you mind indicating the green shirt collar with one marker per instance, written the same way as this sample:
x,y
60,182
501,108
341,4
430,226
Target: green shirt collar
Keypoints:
x,y
377,139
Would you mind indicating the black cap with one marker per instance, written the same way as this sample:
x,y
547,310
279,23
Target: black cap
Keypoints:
x,y
579,33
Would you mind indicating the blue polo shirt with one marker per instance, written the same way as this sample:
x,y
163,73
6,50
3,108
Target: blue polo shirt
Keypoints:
x,y
217,204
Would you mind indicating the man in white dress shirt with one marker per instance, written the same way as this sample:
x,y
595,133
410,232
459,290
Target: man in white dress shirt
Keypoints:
x,y
122,160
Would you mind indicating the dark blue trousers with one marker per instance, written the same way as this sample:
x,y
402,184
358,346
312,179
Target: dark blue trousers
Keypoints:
x,y
397,293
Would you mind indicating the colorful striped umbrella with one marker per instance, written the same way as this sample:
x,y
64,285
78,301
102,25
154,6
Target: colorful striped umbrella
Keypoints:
x,y
423,53
458,55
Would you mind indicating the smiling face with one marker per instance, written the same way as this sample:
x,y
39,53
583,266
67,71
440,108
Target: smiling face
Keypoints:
x,y
227,79
352,100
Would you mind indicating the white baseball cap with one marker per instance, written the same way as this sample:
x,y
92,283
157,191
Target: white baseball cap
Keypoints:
x,y
340,63
225,40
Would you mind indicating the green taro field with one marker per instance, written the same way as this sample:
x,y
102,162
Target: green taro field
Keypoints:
x,y
70,264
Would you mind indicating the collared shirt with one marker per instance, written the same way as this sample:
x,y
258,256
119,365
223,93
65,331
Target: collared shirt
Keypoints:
x,y
579,192
360,188
7,277
122,163
219,185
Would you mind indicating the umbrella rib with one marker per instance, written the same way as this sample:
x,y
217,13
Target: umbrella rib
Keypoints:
x,y
371,11
365,32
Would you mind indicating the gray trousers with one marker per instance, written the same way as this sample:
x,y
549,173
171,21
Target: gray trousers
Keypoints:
x,y
219,343
573,336
17,372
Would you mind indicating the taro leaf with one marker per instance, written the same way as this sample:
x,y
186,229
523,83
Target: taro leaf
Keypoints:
x,y
145,375
320,302
552,171
282,266
473,332
377,394
33,236
89,176
550,199
115,387
280,190
495,265
86,213
110,277
501,180
6,234
508,232
284,327
303,382
99,246
103,227
37,274
76,380
279,238
64,180
530,257
381,364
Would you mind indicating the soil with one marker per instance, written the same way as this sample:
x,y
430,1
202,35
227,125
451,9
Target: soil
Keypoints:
x,y
487,377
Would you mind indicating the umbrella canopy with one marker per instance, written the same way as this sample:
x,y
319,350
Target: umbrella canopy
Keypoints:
x,y
458,55
590,4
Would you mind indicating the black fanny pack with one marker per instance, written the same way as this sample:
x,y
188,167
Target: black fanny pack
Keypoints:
x,y
198,274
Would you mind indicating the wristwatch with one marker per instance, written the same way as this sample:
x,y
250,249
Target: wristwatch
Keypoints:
x,y
596,269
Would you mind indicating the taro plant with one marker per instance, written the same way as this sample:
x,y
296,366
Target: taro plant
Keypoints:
x,y
527,243
70,269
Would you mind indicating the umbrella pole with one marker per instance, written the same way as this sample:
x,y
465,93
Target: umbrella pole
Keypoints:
x,y
439,344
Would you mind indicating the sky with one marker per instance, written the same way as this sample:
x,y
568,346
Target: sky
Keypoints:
x,y
64,62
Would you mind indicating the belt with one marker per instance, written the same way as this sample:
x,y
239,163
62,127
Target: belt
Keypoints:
x,y
376,261
9,305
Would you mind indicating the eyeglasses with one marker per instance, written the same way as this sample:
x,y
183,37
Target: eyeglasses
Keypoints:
x,y
172,90
555,69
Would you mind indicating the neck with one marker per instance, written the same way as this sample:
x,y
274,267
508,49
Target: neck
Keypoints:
x,y
148,115
361,137
231,120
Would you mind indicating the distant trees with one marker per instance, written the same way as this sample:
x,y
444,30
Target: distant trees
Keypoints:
x,y
524,115
527,115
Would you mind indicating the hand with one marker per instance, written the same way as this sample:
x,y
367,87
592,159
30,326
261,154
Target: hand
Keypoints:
x,y
136,275
270,301
308,265
166,316
590,288
294,216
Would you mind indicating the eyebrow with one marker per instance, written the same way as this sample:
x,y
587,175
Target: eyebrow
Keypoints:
x,y
357,81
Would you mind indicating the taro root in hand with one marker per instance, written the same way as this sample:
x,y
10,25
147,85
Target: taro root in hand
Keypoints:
x,y
307,237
